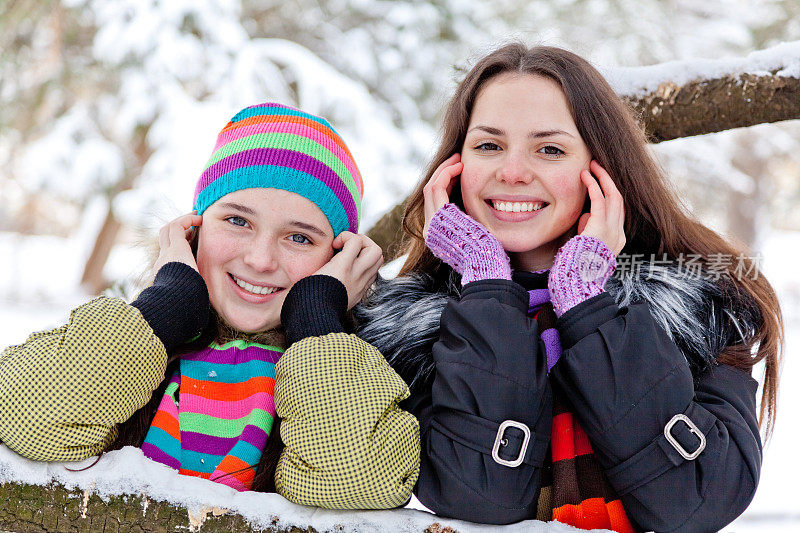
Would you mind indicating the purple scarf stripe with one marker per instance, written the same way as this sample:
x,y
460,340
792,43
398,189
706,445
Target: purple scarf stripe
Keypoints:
x,y
198,442
537,297
549,336
234,355
552,346
152,452
255,435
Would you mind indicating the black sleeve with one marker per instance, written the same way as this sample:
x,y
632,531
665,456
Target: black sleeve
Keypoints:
x,y
490,368
315,306
176,306
626,380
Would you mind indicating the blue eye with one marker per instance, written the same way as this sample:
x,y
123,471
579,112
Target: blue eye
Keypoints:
x,y
237,221
488,146
551,150
299,238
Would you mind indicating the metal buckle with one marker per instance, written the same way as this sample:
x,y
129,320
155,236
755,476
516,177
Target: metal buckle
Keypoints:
x,y
499,440
692,428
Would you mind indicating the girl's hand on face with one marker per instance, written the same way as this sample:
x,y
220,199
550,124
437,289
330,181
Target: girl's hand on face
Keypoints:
x,y
606,220
355,265
173,241
437,191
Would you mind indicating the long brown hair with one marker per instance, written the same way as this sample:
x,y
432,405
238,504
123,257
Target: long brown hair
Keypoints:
x,y
655,220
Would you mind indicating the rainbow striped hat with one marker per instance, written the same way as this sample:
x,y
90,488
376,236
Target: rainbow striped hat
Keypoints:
x,y
273,145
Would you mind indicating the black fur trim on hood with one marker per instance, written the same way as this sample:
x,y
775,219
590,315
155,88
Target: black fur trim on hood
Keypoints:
x,y
401,316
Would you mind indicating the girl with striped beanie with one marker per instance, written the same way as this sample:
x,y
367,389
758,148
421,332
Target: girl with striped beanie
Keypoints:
x,y
244,326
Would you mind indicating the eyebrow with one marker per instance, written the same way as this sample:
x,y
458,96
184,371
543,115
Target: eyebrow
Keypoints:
x,y
534,134
307,227
292,223
238,207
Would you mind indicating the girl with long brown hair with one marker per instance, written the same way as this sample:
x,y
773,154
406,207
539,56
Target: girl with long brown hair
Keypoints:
x,y
546,386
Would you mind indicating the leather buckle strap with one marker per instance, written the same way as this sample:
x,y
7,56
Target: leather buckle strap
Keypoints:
x,y
492,438
666,451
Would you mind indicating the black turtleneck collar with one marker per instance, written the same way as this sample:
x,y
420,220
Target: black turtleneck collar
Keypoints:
x,y
531,280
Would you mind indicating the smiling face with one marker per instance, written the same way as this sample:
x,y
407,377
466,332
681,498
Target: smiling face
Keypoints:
x,y
253,245
522,159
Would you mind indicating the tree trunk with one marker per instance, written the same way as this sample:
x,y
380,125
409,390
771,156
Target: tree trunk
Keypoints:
x,y
388,232
92,278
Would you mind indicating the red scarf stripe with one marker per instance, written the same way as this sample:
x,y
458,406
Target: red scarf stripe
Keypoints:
x,y
619,520
562,441
589,514
187,472
594,513
234,467
167,421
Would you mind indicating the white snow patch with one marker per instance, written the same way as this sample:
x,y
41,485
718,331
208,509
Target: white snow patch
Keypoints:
x,y
391,269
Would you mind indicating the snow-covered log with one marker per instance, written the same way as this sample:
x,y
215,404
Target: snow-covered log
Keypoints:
x,y
50,508
126,492
685,98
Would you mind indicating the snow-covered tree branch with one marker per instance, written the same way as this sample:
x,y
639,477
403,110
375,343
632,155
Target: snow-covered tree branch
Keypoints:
x,y
683,99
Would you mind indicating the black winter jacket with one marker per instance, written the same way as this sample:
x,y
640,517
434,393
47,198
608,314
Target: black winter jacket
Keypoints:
x,y
633,358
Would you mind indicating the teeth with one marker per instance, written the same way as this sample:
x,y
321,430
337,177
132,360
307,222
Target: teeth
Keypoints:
x,y
255,289
516,207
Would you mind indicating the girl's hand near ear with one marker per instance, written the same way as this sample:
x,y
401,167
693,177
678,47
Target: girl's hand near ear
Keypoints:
x,y
606,220
173,241
437,191
455,237
355,265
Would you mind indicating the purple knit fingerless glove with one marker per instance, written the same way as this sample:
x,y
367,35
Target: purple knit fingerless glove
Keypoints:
x,y
580,271
468,247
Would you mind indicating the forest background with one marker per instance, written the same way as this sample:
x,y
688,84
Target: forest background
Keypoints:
x,y
109,110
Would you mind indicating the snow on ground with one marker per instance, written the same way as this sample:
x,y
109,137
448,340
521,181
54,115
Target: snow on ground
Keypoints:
x,y
38,276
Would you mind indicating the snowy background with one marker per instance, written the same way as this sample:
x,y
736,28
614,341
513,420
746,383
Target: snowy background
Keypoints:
x,y
109,110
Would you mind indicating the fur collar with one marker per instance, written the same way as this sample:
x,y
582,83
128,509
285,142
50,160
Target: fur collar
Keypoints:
x,y
401,316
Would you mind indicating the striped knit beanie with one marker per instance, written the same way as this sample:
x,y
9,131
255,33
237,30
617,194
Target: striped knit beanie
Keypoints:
x,y
272,145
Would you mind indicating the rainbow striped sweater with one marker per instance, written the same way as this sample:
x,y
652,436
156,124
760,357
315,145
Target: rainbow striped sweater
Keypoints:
x,y
217,412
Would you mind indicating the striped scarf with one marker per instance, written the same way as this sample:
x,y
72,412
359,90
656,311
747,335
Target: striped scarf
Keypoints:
x,y
217,412
574,489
